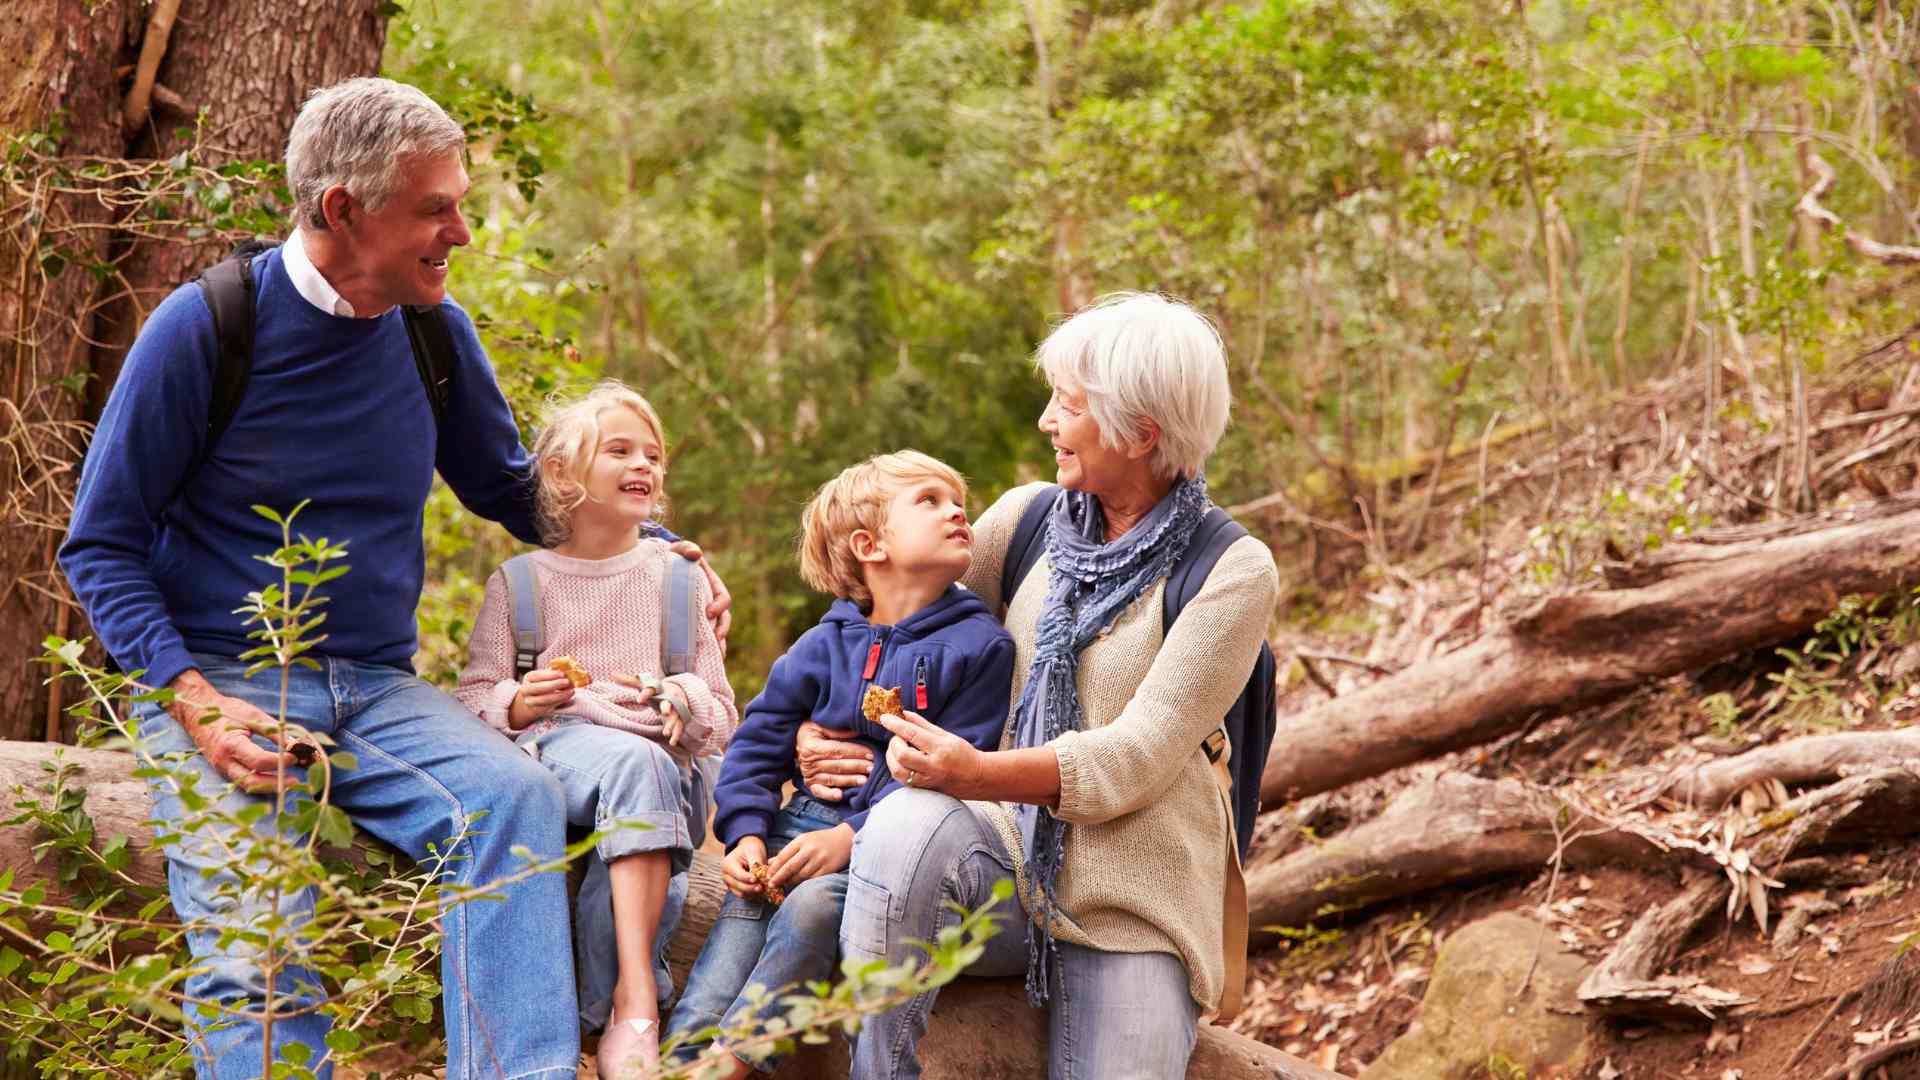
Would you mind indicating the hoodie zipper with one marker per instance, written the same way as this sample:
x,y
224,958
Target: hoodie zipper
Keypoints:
x,y
873,656
920,683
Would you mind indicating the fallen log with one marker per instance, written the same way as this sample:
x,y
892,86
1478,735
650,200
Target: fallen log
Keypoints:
x,y
1454,828
1572,651
1451,829
1798,761
981,1029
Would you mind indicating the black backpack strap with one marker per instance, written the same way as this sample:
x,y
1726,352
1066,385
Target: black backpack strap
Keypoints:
x,y
433,354
227,287
1026,549
1216,533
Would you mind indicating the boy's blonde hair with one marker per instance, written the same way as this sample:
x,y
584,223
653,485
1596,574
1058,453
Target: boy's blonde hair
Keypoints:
x,y
564,450
857,499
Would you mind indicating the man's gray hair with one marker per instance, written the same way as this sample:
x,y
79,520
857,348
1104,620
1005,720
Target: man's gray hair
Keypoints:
x,y
362,133
1142,356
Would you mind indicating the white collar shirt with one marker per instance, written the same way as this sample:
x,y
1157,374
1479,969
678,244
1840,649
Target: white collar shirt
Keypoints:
x,y
312,285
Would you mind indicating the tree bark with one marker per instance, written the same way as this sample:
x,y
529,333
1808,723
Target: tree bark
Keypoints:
x,y
246,66
60,62
1572,651
981,1029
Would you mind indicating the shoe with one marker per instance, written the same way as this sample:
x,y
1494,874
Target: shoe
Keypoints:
x,y
628,1046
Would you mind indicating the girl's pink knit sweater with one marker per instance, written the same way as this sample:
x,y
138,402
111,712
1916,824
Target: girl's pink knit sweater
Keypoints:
x,y
605,613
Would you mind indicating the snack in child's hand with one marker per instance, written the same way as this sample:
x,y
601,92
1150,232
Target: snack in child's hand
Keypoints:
x,y
880,701
568,666
763,874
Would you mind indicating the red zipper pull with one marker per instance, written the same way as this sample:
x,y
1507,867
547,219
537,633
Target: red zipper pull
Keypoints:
x,y
873,661
920,695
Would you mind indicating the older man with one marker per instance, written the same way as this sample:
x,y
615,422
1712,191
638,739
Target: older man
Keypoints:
x,y
162,549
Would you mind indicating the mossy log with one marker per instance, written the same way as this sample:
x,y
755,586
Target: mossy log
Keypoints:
x,y
981,1029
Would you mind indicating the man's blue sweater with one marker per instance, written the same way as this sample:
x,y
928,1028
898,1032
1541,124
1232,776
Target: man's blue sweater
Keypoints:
x,y
951,662
162,545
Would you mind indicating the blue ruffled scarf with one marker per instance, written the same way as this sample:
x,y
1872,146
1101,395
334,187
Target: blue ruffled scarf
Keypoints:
x,y
1090,585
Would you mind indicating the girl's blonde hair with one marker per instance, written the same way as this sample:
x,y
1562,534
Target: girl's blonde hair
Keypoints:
x,y
564,449
857,499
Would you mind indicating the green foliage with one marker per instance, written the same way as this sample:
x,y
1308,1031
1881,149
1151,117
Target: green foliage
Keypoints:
x,y
1623,522
1722,713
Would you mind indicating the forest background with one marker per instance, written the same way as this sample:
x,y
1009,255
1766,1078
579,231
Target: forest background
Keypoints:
x,y
815,231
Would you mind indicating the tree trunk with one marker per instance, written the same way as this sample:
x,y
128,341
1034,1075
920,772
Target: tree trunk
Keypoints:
x,y
63,331
982,1029
60,61
1578,650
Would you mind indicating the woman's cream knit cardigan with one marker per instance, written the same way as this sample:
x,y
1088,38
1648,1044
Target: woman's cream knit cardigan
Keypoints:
x,y
1145,859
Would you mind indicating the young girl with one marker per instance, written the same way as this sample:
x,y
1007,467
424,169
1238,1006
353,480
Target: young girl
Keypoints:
x,y
621,743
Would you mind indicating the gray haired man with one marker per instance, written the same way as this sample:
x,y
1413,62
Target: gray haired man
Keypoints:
x,y
162,547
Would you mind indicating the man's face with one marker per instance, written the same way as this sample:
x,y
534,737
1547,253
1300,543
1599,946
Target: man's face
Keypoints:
x,y
401,249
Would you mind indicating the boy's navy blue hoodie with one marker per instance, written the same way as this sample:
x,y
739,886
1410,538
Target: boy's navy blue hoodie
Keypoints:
x,y
951,662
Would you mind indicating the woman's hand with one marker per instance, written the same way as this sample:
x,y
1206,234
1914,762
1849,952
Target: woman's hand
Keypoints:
x,y
720,608
924,756
811,854
737,868
540,693
828,763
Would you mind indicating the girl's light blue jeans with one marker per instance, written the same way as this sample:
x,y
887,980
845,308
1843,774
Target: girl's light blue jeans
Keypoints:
x,y
428,772
612,780
754,943
1111,1016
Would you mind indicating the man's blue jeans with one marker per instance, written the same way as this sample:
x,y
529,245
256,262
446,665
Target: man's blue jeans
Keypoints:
x,y
754,943
427,769
1111,1015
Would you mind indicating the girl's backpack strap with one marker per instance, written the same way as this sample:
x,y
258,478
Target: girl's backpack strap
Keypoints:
x,y
680,612
529,633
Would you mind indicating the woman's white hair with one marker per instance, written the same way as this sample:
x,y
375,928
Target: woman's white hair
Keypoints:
x,y
1143,356
362,133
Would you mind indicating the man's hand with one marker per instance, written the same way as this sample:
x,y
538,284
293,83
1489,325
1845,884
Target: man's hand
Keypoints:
x,y
828,763
811,854
737,868
222,727
720,608
540,693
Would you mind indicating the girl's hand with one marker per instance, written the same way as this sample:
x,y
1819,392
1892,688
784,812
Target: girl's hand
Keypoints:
x,y
737,868
828,763
924,756
811,854
540,693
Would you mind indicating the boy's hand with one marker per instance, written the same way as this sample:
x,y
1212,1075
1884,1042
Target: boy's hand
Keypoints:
x,y
811,854
737,868
540,693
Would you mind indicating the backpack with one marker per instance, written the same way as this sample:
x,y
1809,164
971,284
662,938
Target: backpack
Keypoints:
x,y
1248,725
228,288
679,616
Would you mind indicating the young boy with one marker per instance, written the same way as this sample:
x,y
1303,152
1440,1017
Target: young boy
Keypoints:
x,y
888,537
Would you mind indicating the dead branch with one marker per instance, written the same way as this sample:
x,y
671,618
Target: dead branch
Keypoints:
x,y
153,47
1797,761
1866,247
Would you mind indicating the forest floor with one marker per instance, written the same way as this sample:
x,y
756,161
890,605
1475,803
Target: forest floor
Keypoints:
x,y
1537,516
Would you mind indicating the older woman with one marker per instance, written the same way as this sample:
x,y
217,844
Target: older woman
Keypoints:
x,y
1101,803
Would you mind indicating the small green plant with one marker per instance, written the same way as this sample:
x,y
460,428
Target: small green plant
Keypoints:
x,y
1625,520
1722,713
1502,1067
